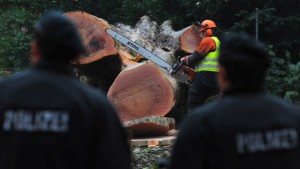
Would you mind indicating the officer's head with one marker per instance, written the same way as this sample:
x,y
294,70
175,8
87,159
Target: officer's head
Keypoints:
x,y
243,62
56,39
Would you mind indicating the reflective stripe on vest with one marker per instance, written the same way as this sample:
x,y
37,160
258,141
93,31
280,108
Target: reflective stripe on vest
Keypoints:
x,y
210,62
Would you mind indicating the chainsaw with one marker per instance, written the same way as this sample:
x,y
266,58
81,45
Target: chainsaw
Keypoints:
x,y
179,71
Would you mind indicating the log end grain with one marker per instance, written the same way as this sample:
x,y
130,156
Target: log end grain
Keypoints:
x,y
189,40
141,91
92,29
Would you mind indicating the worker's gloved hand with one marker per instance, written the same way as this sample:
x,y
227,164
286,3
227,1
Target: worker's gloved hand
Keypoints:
x,y
184,59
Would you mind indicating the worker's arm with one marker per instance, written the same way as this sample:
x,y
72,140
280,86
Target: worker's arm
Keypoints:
x,y
206,45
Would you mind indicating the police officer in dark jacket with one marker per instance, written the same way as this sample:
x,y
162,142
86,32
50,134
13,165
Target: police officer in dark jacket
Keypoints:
x,y
245,129
48,119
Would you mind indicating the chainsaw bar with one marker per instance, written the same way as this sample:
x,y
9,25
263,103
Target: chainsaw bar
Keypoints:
x,y
139,49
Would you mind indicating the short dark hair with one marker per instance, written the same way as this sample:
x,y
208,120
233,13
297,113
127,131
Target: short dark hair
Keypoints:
x,y
244,59
57,38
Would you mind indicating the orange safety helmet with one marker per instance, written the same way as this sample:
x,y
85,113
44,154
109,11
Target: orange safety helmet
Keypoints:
x,y
205,25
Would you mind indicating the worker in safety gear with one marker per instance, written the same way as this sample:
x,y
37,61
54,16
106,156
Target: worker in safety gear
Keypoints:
x,y
48,119
245,128
204,61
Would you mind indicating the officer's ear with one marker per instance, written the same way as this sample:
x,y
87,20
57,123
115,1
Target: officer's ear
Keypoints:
x,y
35,52
222,78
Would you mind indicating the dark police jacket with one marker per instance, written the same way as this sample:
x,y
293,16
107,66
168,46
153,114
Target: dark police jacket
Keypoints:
x,y
49,120
242,130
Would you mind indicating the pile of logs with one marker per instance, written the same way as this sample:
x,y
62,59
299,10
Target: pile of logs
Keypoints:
x,y
142,92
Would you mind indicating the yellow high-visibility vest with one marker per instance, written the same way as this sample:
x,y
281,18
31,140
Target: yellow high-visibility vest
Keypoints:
x,y
210,62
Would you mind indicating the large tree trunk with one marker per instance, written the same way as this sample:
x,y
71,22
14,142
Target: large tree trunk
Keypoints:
x,y
102,63
138,91
98,43
165,43
141,91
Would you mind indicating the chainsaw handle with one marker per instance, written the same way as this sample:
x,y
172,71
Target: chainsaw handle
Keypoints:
x,y
178,59
182,72
180,62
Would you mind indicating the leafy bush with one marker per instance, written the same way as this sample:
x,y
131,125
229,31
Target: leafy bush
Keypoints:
x,y
275,78
15,38
292,80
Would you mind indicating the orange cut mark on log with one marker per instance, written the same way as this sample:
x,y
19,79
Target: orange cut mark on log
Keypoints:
x,y
92,29
127,58
141,91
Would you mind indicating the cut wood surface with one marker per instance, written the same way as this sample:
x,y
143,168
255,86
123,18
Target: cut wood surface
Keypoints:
x,y
189,40
102,63
150,126
153,141
142,91
98,43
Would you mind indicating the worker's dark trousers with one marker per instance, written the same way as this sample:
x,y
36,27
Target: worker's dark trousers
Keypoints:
x,y
203,87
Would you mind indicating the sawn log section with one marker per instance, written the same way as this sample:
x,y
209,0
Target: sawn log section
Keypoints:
x,y
142,91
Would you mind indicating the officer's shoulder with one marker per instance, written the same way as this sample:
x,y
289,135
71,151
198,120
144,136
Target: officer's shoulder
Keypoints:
x,y
94,92
206,110
283,103
12,79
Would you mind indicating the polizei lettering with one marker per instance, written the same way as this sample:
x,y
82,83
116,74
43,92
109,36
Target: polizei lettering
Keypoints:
x,y
40,121
132,45
267,141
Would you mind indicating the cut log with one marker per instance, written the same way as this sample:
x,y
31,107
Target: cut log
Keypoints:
x,y
98,43
153,141
167,38
102,63
140,91
150,126
189,40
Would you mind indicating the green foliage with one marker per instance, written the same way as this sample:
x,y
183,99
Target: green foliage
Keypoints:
x,y
132,10
283,77
275,83
15,38
292,80
17,18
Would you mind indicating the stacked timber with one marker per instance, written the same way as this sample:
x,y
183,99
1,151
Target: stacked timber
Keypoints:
x,y
142,92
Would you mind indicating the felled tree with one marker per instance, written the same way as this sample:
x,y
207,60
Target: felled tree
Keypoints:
x,y
137,90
